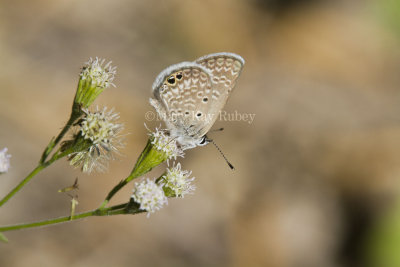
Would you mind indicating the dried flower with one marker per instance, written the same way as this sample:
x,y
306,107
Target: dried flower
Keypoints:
x,y
149,195
176,182
97,141
4,160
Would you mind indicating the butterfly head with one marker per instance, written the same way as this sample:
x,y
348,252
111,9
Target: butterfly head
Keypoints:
x,y
203,141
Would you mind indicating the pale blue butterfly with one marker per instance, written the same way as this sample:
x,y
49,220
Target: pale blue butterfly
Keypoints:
x,y
190,95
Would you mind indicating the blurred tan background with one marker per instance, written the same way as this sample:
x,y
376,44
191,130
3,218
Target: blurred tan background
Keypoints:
x,y
317,172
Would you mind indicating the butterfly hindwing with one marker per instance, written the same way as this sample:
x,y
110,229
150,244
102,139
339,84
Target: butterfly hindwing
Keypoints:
x,y
225,69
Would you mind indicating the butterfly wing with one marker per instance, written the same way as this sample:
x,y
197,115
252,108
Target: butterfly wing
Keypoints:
x,y
225,69
182,93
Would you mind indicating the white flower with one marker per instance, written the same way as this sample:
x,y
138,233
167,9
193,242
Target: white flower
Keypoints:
x,y
149,195
178,181
163,142
4,160
94,79
100,129
99,75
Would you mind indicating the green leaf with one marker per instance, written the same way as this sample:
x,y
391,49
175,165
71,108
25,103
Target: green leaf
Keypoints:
x,y
3,238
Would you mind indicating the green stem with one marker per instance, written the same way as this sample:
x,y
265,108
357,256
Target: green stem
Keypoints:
x,y
76,113
114,191
39,168
147,160
114,210
21,184
46,222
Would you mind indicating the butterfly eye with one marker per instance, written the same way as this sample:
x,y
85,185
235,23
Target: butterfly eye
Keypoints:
x,y
179,76
171,80
203,141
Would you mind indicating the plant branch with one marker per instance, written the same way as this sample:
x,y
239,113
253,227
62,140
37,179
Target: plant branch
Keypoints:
x,y
39,168
126,208
76,113
147,160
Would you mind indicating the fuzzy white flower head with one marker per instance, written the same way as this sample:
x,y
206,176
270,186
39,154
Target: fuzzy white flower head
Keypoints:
x,y
101,76
149,195
178,181
102,131
163,142
100,126
4,160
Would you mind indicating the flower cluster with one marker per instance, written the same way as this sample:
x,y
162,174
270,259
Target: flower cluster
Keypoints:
x,y
97,141
4,160
152,195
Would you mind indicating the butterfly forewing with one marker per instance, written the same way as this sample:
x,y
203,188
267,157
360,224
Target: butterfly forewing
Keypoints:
x,y
182,95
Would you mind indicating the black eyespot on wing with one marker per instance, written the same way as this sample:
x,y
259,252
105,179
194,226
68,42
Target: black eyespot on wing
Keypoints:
x,y
171,80
205,99
198,114
179,76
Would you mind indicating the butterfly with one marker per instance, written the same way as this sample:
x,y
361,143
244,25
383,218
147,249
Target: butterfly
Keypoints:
x,y
188,96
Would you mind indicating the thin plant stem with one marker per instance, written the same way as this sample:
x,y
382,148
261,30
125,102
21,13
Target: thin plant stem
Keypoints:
x,y
114,210
147,160
115,190
22,184
46,222
39,168
76,113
